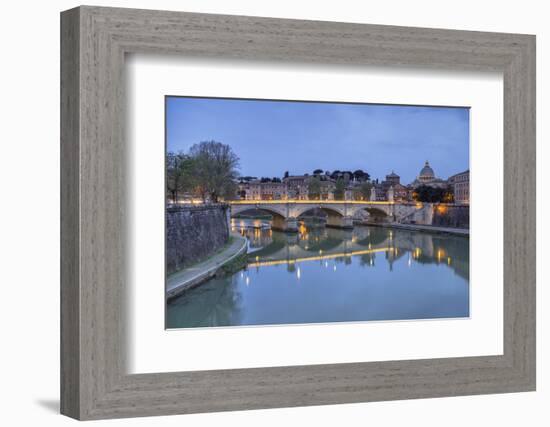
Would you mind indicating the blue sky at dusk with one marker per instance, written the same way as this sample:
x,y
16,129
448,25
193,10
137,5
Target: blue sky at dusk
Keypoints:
x,y
271,137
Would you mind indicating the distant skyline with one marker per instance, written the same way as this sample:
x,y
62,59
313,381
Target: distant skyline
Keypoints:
x,y
271,137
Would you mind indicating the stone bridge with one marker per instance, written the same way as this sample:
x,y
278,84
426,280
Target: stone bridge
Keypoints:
x,y
339,213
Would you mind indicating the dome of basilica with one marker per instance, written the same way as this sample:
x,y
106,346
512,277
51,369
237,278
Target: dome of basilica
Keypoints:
x,y
427,171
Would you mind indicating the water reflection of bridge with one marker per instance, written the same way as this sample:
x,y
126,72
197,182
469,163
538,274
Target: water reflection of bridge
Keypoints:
x,y
271,248
320,257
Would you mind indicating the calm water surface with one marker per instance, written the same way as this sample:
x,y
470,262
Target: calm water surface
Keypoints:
x,y
331,275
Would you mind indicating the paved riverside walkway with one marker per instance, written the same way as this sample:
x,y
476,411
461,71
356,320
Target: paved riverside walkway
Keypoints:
x,y
428,228
192,276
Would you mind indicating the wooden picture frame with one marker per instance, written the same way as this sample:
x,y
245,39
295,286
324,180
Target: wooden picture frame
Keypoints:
x,y
94,382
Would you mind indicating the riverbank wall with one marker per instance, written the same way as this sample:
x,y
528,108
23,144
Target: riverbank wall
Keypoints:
x,y
431,217
193,233
439,215
232,258
456,216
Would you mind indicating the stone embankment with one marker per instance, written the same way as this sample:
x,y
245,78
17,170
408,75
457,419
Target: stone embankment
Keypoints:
x,y
193,233
229,259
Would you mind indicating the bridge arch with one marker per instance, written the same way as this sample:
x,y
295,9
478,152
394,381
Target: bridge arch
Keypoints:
x,y
279,218
272,210
329,210
375,211
337,216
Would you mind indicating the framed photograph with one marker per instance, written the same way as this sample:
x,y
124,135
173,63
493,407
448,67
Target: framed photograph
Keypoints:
x,y
261,213
259,234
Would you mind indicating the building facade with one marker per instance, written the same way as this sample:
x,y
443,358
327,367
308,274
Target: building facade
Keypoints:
x,y
461,187
400,193
257,190
393,182
297,187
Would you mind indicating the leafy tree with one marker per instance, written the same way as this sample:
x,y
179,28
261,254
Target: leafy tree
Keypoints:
x,y
215,170
361,175
365,190
427,194
179,174
317,171
340,190
314,188
286,174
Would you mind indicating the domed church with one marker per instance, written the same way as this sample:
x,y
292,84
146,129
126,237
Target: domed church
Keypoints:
x,y
427,177
426,173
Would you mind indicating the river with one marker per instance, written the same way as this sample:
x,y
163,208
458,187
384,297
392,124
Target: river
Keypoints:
x,y
324,275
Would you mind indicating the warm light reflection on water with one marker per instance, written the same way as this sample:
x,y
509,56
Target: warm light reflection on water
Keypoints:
x,y
332,275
